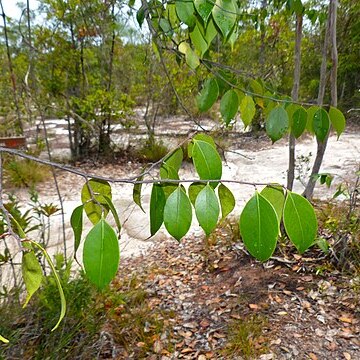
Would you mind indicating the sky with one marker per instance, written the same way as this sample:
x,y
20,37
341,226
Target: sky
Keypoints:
x,y
13,11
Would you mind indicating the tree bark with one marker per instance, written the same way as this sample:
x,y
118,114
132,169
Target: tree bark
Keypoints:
x,y
330,39
295,97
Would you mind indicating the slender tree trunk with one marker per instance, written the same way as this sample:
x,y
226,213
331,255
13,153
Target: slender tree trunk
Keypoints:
x,y
330,37
262,39
12,73
295,97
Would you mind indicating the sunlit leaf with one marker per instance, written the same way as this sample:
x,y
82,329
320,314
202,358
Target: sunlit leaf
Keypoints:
x,y
185,11
259,227
337,119
208,95
299,221
275,195
76,222
198,41
224,14
210,32
204,8
207,209
321,124
157,204
277,123
2,339
32,274
203,137
177,214
175,159
101,254
227,200
229,106
310,118
190,56
247,110
194,190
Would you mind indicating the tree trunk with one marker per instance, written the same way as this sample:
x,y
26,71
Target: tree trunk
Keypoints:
x,y
330,37
295,97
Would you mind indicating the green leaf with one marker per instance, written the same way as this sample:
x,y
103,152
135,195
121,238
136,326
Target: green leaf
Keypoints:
x,y
198,41
207,161
185,11
229,106
175,160
208,95
247,110
114,212
290,109
321,124
224,15
259,227
337,119
202,137
194,190
31,273
137,193
157,204
101,254
204,8
190,56
140,16
227,200
58,283
210,32
207,209
165,26
299,120
2,339
299,221
76,222
95,207
274,194
310,118
277,123
177,214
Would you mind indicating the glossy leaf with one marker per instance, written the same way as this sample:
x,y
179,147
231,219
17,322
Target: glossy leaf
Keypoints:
x,y
137,193
207,161
298,123
177,214
259,227
157,204
207,209
101,254
185,11
94,208
202,137
198,41
274,194
299,221
229,106
175,159
204,8
194,190
227,200
277,123
208,95
321,124
58,283
247,110
76,222
337,119
310,118
2,339
224,15
32,274
190,56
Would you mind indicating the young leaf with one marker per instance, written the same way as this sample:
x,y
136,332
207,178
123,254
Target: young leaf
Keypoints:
x,y
114,212
298,123
259,227
208,95
2,339
224,15
198,41
207,209
337,119
247,110
157,204
92,197
207,161
227,200
58,283
76,222
229,106
190,56
177,214
185,11
321,124
101,254
277,123
32,274
194,190
204,8
137,193
299,221
274,194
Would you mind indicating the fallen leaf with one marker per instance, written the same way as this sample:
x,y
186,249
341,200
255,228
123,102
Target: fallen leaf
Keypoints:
x,y
346,319
282,313
201,357
254,306
347,356
313,356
